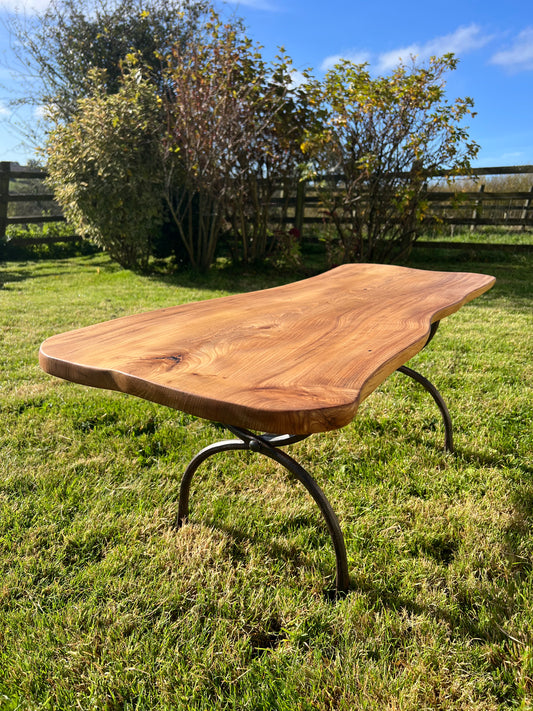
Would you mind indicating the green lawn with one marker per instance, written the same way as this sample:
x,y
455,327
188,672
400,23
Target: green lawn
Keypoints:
x,y
481,236
105,606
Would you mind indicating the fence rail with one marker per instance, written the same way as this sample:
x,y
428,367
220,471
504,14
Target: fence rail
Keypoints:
x,y
453,207
457,205
10,176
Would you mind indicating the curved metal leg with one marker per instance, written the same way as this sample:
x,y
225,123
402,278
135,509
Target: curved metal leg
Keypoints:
x,y
432,390
185,486
265,445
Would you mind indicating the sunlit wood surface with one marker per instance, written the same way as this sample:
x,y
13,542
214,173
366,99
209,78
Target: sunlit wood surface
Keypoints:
x,y
293,359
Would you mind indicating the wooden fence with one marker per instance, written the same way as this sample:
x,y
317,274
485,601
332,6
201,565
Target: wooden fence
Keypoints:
x,y
473,206
38,207
455,204
476,206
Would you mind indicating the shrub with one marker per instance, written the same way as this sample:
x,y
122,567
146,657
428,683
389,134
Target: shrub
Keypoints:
x,y
104,166
383,135
235,129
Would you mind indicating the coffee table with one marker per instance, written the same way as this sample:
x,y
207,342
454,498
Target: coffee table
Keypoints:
x,y
286,362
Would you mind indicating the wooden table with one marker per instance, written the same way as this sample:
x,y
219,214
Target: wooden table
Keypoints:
x,y
290,361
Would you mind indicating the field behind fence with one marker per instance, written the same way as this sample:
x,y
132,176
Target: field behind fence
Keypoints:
x,y
493,196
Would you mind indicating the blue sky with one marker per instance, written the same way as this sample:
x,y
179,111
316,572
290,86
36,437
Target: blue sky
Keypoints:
x,y
493,41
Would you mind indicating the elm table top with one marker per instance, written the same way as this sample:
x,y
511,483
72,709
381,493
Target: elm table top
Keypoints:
x,y
295,359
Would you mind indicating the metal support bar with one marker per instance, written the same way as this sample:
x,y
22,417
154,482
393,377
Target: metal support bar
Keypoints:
x,y
268,445
432,390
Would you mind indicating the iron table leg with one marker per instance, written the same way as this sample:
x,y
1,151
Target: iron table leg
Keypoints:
x,y
269,446
432,390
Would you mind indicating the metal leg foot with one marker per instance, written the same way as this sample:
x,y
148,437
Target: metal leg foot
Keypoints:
x,y
269,446
432,390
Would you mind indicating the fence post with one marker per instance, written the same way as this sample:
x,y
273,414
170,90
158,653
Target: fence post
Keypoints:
x,y
475,211
5,169
525,210
300,207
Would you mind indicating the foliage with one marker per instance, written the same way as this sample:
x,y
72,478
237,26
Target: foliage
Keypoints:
x,y
269,163
382,135
233,135
235,129
104,166
230,133
58,47
104,605
47,229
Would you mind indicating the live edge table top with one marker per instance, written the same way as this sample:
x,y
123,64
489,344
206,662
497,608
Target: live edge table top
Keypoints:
x,y
292,359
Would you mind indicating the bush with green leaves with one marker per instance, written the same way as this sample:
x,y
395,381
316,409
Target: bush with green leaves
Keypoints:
x,y
202,136
228,138
105,167
57,47
381,136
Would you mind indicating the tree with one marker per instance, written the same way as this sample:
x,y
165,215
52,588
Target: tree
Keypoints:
x,y
105,163
57,48
383,135
235,125
60,48
270,163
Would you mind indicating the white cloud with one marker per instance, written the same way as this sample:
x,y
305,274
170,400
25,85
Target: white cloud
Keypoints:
x,y
4,111
355,57
519,57
513,155
297,78
28,6
463,40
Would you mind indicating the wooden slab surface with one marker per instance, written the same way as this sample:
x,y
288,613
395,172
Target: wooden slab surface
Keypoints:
x,y
293,359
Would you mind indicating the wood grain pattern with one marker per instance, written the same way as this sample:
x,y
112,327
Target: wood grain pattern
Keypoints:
x,y
293,359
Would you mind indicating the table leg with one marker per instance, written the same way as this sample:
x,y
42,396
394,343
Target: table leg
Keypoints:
x,y
269,446
432,390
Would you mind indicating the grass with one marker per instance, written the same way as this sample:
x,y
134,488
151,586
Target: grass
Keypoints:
x,y
482,236
104,605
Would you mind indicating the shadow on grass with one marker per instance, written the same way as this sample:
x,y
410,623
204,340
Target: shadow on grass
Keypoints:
x,y
233,279
513,272
463,455
282,550
40,269
497,461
